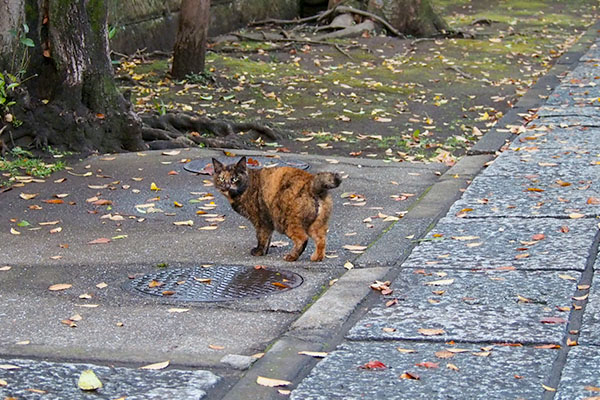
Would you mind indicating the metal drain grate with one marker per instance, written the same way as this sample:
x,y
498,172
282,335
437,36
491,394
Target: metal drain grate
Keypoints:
x,y
204,165
215,283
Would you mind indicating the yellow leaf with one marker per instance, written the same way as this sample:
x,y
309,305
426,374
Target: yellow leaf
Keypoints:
x,y
178,310
548,388
14,231
177,204
576,215
153,187
88,380
156,366
431,332
270,382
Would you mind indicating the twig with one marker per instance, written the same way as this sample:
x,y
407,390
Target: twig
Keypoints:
x,y
275,21
461,72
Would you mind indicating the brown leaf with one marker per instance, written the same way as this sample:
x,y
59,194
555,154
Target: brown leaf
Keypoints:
x,y
553,320
444,354
452,367
428,364
102,202
409,375
547,346
100,241
373,365
593,200
53,201
538,236
216,347
280,285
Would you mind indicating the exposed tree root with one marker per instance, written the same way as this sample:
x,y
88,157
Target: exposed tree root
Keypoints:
x,y
185,130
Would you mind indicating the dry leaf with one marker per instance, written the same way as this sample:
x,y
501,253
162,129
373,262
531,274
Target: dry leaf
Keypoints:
x,y
548,388
178,310
9,366
156,366
184,223
576,215
441,282
405,351
373,365
431,332
28,196
409,375
60,286
216,347
452,367
100,241
270,382
102,285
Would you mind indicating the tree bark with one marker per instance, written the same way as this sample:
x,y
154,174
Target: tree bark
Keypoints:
x,y
70,99
190,46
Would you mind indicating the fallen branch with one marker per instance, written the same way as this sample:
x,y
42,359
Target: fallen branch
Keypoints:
x,y
294,40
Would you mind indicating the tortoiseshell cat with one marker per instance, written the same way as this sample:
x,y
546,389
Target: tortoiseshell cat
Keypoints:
x,y
289,200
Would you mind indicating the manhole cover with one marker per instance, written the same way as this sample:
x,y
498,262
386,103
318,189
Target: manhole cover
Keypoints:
x,y
204,165
215,283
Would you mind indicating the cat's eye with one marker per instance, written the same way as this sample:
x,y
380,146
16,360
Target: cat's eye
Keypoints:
x,y
234,179
221,179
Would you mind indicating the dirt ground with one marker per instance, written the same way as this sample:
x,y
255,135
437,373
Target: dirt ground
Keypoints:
x,y
376,96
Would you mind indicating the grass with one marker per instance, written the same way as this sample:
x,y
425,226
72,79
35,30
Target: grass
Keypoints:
x,y
22,162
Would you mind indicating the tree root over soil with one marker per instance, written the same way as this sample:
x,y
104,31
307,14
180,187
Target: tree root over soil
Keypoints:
x,y
186,130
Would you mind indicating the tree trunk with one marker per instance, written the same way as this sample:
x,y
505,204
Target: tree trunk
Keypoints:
x,y
69,98
190,46
412,17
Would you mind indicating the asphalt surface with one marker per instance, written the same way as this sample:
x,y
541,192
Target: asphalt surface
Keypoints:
x,y
497,299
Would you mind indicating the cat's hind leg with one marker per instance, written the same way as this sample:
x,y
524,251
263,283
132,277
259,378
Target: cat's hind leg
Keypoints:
x,y
318,233
263,237
300,239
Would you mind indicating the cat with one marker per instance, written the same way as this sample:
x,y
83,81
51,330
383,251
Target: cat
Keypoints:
x,y
292,201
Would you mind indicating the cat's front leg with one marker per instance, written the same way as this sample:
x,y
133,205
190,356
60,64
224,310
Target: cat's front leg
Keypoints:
x,y
263,237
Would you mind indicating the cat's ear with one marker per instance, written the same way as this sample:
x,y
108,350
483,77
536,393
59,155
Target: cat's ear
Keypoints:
x,y
241,165
217,166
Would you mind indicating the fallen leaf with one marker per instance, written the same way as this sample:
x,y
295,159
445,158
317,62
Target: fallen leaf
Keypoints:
x,y
581,298
53,201
409,375
14,231
171,152
354,247
441,282
576,215
428,364
270,382
452,367
178,310
548,388
571,342
9,366
28,196
102,285
153,187
593,200
216,347
60,286
373,365
431,332
316,354
405,351
539,236
100,241
567,277
553,320
444,354
547,346
156,366
189,222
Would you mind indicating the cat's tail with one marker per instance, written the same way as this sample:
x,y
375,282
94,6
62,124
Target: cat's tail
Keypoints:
x,y
324,181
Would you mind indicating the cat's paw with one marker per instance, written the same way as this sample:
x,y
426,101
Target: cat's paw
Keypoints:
x,y
290,257
257,251
316,257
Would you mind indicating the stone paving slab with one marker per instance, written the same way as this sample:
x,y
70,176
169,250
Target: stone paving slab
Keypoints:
x,y
587,95
506,373
528,196
575,139
59,382
580,379
570,117
494,306
532,161
470,244
593,54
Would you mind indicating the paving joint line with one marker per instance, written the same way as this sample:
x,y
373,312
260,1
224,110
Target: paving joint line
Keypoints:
x,y
575,320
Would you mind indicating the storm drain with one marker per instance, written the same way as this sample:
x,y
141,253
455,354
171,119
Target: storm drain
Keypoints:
x,y
215,283
204,165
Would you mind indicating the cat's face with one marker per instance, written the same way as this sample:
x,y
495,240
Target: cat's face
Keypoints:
x,y
231,180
